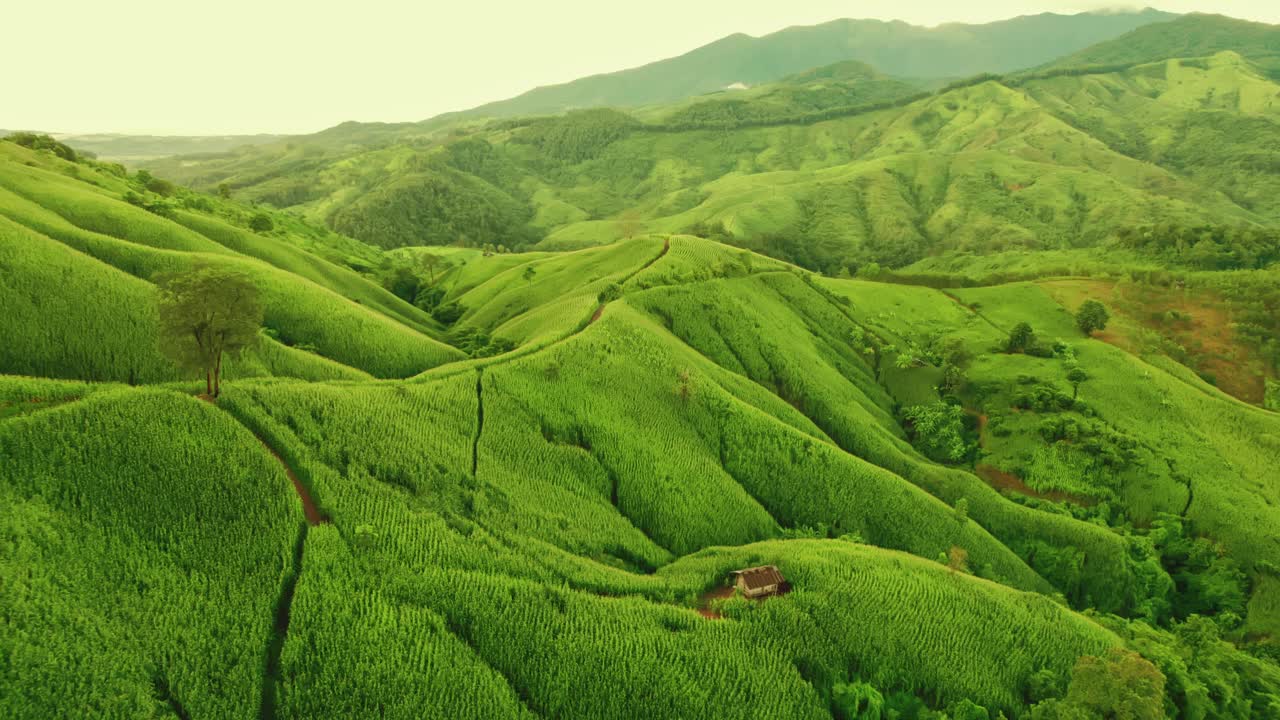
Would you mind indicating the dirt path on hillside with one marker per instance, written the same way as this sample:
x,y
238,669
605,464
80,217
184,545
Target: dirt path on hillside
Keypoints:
x,y
309,507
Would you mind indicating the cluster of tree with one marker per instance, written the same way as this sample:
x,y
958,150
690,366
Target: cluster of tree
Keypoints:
x,y
150,183
156,205
1254,299
1206,247
437,206
736,114
577,136
479,344
415,279
44,142
1272,397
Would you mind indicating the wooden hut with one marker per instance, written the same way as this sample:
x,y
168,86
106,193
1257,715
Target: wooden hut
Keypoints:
x,y
759,582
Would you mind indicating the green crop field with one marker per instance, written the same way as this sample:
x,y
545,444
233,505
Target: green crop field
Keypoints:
x,y
987,369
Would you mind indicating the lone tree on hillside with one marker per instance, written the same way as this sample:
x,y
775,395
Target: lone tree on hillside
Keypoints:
x,y
1076,376
1092,316
528,274
1021,338
205,313
433,263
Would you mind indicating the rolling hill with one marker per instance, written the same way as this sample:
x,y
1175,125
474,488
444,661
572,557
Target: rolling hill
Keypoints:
x,y
560,506
529,391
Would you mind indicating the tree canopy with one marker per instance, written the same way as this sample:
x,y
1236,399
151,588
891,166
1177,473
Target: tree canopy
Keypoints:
x,y
205,313
1092,316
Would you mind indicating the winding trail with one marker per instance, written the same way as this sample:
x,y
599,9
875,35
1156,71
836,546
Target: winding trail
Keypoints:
x,y
309,508
475,442
284,603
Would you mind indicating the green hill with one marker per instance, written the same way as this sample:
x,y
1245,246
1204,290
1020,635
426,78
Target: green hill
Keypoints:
x,y
1194,35
527,393
661,411
834,169
56,216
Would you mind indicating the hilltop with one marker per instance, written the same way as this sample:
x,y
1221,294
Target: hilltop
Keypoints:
x,y
1195,35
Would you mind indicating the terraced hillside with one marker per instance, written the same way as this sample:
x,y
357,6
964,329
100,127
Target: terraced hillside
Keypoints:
x,y
543,529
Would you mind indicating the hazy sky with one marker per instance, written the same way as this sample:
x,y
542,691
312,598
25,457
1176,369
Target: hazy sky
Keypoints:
x,y
289,66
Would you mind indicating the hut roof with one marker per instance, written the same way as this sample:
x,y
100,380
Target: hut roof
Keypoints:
x,y
758,577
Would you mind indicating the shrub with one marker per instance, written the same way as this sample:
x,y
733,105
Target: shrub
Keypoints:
x,y
261,222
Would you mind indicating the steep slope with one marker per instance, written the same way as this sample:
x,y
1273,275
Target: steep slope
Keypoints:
x,y
146,538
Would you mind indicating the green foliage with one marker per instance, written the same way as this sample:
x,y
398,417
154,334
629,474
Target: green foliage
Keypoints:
x,y
261,223
1121,685
1212,247
435,206
1092,317
1020,338
1273,395
579,135
938,430
205,313
43,142
146,536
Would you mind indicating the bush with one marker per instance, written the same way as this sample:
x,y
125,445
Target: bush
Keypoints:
x,y
1091,317
449,313
261,223
938,431
612,292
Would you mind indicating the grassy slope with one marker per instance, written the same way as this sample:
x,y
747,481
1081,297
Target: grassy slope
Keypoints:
x,y
364,327
572,490
137,522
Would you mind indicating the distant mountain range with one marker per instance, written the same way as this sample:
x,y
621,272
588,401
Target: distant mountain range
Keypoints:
x,y
895,48
830,168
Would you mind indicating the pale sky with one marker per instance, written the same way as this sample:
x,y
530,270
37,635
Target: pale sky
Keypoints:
x,y
293,66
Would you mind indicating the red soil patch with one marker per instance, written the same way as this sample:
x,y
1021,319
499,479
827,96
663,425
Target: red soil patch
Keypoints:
x,y
596,315
1205,331
1001,480
704,602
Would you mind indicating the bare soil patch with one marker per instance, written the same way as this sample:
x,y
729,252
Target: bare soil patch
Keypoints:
x,y
1001,480
1198,322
